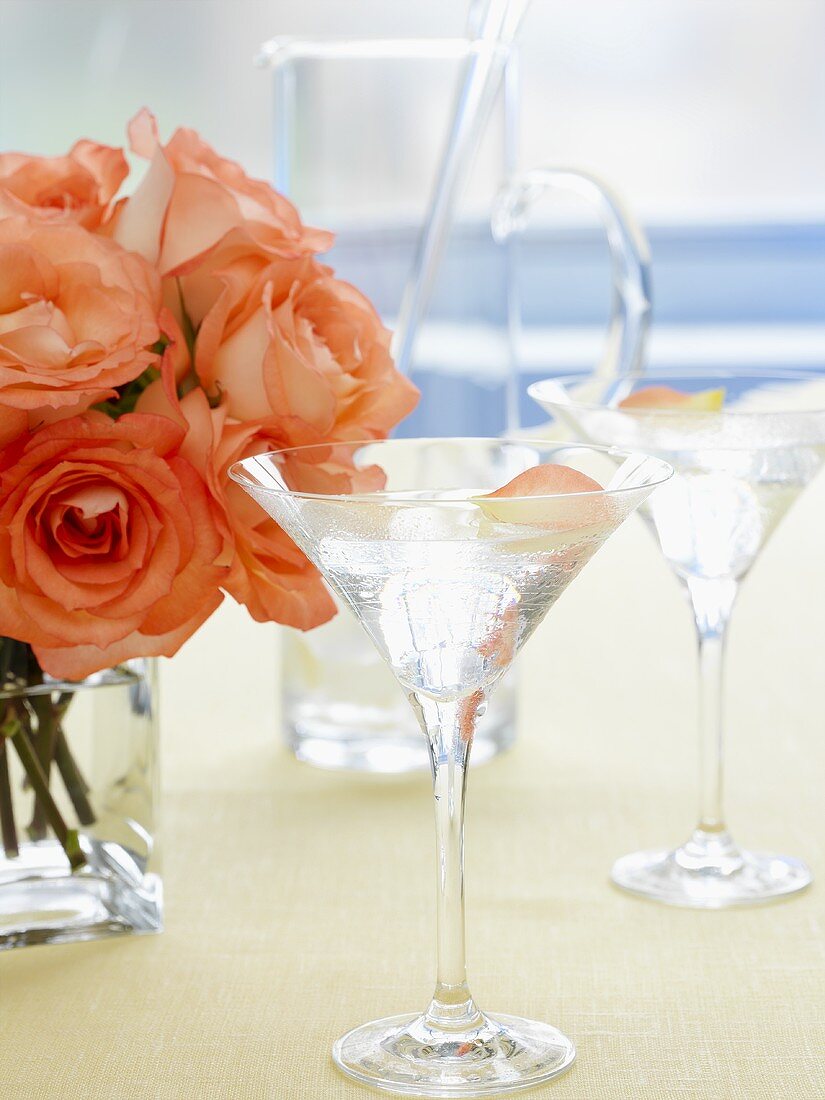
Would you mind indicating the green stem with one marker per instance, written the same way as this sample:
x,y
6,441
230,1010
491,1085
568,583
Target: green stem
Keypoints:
x,y
76,786
45,745
7,826
68,837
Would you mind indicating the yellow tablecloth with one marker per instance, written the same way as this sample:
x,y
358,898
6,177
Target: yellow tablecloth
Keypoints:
x,y
300,903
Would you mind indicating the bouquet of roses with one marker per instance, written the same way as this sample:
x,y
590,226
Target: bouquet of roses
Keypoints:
x,y
146,344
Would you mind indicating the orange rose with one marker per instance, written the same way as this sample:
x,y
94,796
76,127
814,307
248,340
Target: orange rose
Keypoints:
x,y
77,317
192,200
288,343
267,571
78,187
107,542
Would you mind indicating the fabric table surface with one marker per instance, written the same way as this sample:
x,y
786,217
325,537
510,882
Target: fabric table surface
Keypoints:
x,y
300,903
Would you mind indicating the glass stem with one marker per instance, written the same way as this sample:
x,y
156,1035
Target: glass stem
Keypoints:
x,y
449,728
712,601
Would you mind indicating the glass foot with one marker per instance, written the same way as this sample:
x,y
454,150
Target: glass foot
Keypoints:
x,y
710,872
501,1054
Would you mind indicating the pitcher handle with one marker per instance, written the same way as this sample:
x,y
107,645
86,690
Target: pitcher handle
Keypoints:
x,y
629,253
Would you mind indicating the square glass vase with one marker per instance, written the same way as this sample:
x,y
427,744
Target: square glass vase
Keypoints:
x,y
78,858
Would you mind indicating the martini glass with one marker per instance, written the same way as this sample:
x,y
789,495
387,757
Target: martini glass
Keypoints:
x,y
448,586
738,470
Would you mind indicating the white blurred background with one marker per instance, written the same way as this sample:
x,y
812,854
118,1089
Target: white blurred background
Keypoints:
x,y
696,109
707,115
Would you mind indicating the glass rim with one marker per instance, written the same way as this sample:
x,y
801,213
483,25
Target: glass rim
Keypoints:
x,y
238,471
286,49
535,389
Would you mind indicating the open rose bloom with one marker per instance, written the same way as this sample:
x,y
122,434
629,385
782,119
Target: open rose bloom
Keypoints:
x,y
146,344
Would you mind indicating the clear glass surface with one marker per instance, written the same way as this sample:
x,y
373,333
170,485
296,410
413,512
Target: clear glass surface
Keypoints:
x,y
491,29
448,588
342,710
401,244
738,470
102,777
392,243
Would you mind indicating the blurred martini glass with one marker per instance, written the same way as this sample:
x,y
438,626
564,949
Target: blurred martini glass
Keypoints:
x,y
744,446
449,583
